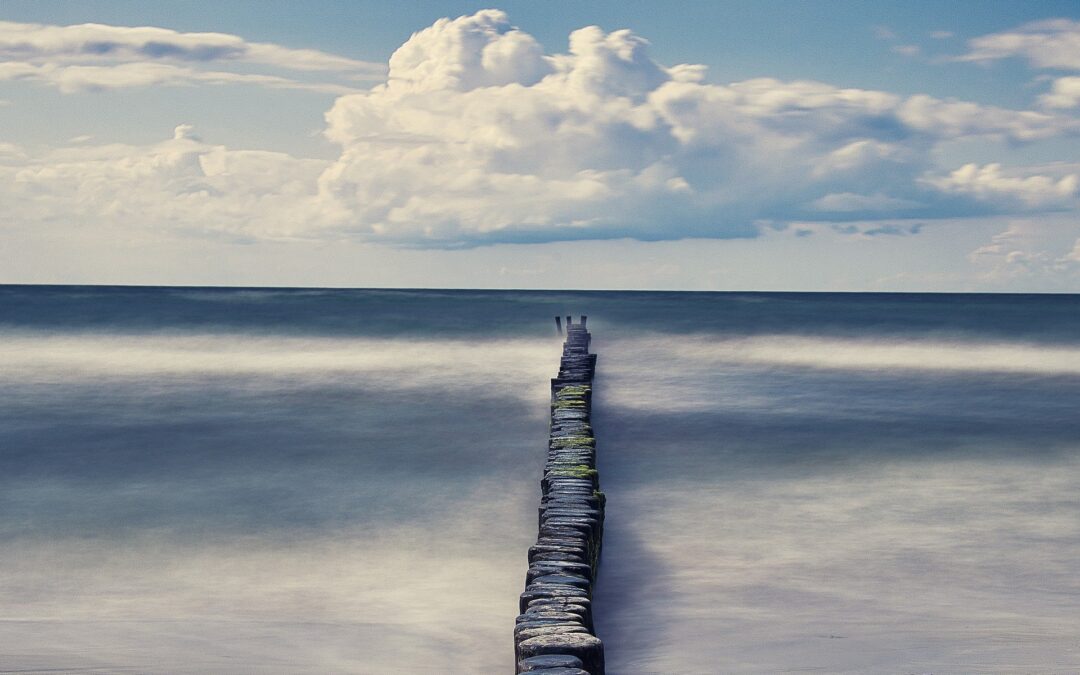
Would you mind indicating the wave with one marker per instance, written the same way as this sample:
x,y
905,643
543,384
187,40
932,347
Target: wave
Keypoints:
x,y
505,364
858,354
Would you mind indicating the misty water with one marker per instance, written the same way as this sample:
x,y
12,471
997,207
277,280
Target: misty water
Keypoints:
x,y
215,480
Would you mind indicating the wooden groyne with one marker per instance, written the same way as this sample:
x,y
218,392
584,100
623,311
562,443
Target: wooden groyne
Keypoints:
x,y
554,632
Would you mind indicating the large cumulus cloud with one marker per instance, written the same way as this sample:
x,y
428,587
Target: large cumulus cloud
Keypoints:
x,y
478,136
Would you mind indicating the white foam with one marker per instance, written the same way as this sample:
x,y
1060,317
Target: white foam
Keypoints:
x,y
861,354
507,364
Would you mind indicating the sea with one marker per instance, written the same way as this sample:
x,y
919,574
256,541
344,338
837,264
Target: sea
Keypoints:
x,y
255,480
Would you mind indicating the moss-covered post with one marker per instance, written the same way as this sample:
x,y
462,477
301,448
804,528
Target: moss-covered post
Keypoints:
x,y
554,631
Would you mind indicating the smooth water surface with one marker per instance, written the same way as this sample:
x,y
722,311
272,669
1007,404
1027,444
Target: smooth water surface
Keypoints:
x,y
254,480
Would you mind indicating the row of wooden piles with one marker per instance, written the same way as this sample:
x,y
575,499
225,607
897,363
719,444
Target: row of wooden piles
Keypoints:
x,y
554,633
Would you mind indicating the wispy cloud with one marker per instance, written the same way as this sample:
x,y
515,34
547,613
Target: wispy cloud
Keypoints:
x,y
1027,249
1054,43
883,32
907,50
1050,44
95,56
72,79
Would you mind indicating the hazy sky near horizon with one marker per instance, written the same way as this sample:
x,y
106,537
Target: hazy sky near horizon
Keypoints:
x,y
706,146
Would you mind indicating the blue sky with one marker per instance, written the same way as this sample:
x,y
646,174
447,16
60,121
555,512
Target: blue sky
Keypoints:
x,y
823,146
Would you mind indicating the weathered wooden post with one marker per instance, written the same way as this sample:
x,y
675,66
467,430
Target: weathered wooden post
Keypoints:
x,y
583,320
558,324
554,631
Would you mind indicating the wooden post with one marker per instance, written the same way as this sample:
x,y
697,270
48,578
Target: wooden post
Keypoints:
x,y
583,320
558,324
554,630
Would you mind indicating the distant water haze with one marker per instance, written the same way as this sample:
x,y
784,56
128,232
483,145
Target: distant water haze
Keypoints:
x,y
201,480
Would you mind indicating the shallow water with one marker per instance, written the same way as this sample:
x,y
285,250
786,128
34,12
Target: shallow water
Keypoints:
x,y
303,481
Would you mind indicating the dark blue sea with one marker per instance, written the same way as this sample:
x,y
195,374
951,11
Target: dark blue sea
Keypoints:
x,y
198,480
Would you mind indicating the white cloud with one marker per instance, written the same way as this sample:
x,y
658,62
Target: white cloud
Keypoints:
x,y
95,56
182,183
861,153
480,51
1054,43
991,182
72,79
884,33
1050,44
10,151
1065,93
604,141
959,119
843,202
1028,249
29,41
478,136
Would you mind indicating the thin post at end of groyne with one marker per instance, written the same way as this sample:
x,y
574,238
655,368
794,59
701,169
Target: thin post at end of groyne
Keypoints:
x,y
554,631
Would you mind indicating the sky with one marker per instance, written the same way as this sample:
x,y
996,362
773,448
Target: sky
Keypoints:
x,y
847,146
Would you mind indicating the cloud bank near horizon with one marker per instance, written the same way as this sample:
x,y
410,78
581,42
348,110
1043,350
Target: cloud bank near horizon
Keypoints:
x,y
478,136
